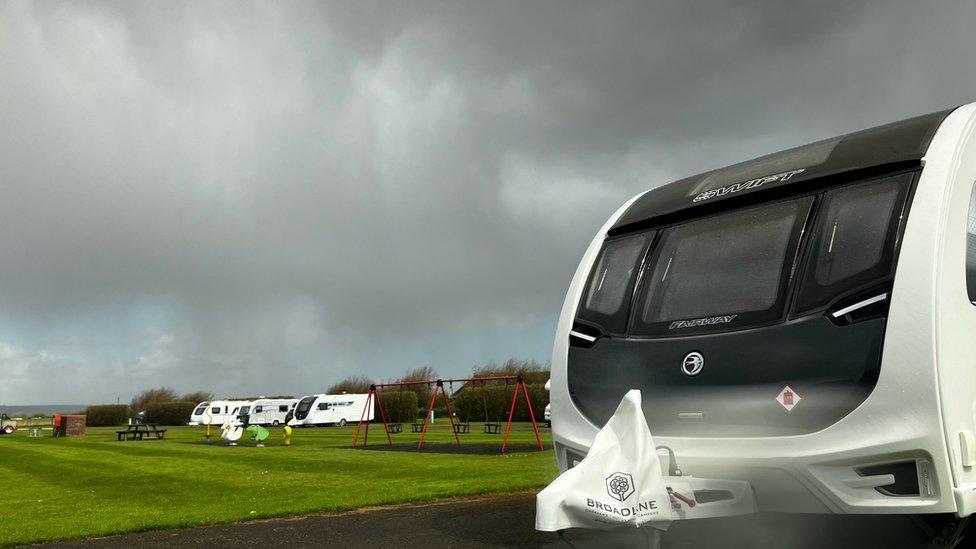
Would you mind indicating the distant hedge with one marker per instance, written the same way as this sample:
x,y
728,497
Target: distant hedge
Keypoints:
x,y
400,406
471,403
107,415
169,413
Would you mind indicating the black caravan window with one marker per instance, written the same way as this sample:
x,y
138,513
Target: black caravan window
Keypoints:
x,y
200,409
303,407
606,301
971,248
721,273
852,245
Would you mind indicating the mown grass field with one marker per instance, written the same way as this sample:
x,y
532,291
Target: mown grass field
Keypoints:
x,y
94,486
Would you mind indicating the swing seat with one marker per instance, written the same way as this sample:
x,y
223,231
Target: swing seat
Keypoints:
x,y
493,428
462,427
396,427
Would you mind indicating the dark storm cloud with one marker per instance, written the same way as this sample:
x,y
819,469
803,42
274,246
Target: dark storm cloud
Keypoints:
x,y
297,183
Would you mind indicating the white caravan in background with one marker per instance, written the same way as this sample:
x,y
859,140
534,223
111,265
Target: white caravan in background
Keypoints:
x,y
215,412
803,321
330,410
548,412
267,411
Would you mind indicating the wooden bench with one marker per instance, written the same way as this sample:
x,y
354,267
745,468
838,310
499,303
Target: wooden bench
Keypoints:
x,y
493,428
462,427
396,427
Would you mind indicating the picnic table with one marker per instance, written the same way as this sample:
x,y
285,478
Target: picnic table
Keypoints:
x,y
141,431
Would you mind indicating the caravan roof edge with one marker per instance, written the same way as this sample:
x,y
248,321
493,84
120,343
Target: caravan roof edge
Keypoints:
x,y
890,147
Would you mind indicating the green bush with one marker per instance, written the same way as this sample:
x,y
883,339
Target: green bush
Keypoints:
x,y
107,415
494,401
169,413
400,406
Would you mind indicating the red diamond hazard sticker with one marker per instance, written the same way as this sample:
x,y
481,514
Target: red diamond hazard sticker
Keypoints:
x,y
788,398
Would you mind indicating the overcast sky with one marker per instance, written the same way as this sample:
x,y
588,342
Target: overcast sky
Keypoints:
x,y
266,198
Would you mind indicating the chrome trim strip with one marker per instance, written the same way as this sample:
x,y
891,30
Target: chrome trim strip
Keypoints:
x,y
858,305
584,337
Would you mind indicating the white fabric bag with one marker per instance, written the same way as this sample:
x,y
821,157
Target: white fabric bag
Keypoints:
x,y
619,483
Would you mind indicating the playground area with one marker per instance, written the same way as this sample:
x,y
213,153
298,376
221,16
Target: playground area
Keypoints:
x,y
458,426
81,487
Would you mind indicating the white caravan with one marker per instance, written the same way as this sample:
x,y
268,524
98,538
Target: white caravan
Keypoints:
x,y
803,321
216,412
548,413
330,410
268,411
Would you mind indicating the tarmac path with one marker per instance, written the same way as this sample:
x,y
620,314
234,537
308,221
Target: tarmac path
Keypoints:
x,y
507,521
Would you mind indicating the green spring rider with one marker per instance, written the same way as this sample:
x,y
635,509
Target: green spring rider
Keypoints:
x,y
258,434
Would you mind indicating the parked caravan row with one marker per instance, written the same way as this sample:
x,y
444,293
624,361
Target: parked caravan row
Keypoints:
x,y
312,410
262,411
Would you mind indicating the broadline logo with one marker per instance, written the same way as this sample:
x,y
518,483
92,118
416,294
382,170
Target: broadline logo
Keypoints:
x,y
641,508
751,184
620,486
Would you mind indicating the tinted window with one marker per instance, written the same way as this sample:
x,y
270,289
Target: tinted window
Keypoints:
x,y
245,409
215,410
305,404
721,272
258,409
611,283
971,248
852,244
323,406
200,409
283,408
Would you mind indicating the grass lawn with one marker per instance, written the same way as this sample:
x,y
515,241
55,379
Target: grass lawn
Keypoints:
x,y
94,486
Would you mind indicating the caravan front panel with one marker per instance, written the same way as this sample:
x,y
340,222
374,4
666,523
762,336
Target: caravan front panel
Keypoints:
x,y
800,321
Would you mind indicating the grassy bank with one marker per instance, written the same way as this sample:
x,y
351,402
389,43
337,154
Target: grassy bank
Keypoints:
x,y
95,486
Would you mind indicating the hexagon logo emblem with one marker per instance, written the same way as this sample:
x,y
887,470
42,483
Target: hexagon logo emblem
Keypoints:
x,y
620,486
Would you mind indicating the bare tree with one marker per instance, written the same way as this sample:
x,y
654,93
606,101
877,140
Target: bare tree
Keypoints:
x,y
530,369
421,373
352,384
197,396
149,396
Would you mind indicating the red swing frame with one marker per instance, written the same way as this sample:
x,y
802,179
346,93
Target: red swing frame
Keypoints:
x,y
374,394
